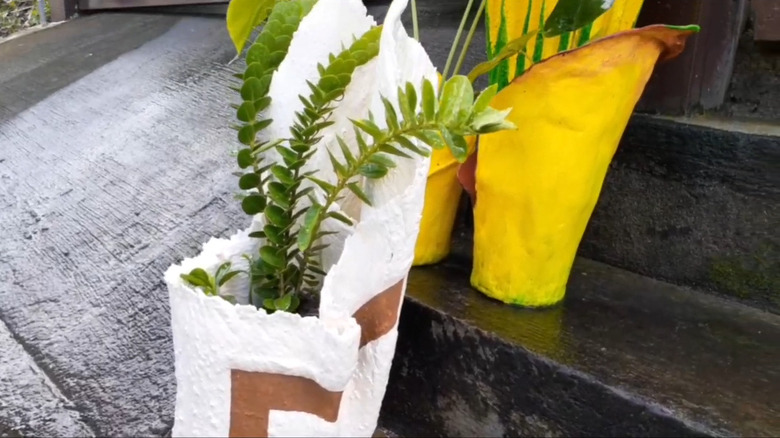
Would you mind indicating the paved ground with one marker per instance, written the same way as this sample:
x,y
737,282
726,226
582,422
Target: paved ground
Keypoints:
x,y
113,151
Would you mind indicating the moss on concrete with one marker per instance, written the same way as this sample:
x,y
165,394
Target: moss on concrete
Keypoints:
x,y
755,278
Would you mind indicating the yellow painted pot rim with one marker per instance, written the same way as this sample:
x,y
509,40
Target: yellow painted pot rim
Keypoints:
x,y
670,38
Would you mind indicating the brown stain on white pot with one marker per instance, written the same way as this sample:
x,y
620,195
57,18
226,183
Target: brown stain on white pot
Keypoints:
x,y
380,314
255,394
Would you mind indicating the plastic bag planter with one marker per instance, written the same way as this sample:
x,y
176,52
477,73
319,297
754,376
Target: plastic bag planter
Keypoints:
x,y
242,372
536,188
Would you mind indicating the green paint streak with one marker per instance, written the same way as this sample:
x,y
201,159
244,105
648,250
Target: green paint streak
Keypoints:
x,y
563,44
500,74
585,35
690,27
520,63
539,48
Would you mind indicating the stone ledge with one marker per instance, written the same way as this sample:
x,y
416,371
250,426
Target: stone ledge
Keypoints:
x,y
623,355
692,201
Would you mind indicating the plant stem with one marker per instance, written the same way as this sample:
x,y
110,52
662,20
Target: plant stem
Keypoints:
x,y
415,26
469,38
353,171
457,40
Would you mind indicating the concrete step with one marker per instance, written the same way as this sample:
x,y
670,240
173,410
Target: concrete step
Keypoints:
x,y
624,355
694,201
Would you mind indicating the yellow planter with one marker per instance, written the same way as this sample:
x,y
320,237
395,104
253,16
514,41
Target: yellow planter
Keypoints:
x,y
441,204
443,191
537,187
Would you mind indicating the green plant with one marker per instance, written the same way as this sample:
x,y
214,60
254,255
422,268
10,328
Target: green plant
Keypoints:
x,y
287,265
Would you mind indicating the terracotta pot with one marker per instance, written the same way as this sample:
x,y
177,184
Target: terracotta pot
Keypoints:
x,y
537,187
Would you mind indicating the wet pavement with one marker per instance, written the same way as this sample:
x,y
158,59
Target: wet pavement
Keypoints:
x,y
114,141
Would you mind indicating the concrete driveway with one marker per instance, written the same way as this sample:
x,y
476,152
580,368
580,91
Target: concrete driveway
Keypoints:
x,y
114,163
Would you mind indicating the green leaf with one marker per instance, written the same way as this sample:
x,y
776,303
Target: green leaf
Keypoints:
x,y
283,174
340,169
246,135
269,304
276,215
362,146
294,303
243,16
288,154
570,15
261,104
340,217
345,150
273,234
224,279
411,96
392,150
369,128
373,170
457,145
306,232
249,181
491,120
277,189
197,277
405,105
253,89
425,136
229,298
512,48
283,303
245,158
456,101
261,124
429,101
272,257
391,118
329,188
222,270
246,112
253,204
355,188
381,159
485,97
317,270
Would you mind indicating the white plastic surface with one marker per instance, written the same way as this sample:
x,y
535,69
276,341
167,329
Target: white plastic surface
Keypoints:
x,y
212,337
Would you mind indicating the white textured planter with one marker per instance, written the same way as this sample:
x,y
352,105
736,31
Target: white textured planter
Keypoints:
x,y
240,371
236,367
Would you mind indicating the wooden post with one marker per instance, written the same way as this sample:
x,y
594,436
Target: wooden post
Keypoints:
x,y
766,19
700,77
61,10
